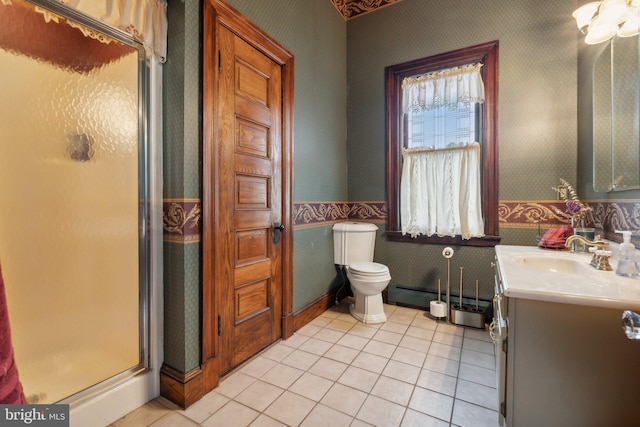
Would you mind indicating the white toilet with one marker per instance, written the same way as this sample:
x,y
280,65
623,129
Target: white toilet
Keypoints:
x,y
353,244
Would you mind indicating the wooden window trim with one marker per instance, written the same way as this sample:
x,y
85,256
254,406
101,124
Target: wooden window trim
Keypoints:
x,y
487,53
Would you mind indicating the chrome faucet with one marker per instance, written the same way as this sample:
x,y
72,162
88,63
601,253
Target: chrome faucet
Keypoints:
x,y
599,247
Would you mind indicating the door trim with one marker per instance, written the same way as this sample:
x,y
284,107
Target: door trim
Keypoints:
x,y
219,13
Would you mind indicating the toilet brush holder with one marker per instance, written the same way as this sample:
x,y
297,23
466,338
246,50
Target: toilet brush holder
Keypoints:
x,y
467,316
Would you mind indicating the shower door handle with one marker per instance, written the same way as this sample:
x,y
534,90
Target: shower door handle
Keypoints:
x,y
277,229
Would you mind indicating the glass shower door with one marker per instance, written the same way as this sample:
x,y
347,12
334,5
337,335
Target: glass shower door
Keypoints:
x,y
72,200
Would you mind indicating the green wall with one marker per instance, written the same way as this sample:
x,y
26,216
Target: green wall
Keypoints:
x,y
537,129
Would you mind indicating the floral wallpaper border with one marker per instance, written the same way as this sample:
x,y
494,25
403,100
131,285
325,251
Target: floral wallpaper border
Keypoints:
x,y
351,8
182,218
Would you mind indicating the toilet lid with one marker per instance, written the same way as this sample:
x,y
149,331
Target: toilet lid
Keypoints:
x,y
369,268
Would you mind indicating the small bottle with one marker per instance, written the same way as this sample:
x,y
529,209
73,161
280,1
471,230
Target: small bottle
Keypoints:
x,y
627,256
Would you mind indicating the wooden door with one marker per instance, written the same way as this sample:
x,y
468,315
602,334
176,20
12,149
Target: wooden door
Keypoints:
x,y
248,237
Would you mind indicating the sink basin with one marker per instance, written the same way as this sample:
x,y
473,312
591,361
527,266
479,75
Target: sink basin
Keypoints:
x,y
563,277
550,263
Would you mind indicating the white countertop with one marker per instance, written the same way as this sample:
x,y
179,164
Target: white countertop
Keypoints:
x,y
586,286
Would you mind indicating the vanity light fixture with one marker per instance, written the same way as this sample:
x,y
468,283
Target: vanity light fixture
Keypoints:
x,y
602,20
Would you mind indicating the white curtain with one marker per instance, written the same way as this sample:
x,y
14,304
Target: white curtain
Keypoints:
x,y
440,192
443,88
146,20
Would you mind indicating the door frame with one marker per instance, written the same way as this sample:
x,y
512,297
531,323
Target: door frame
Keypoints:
x,y
219,13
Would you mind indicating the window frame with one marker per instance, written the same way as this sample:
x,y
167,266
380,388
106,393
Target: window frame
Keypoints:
x,y
487,54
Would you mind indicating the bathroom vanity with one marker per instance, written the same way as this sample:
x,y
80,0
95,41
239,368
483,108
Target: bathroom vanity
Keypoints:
x,y
562,357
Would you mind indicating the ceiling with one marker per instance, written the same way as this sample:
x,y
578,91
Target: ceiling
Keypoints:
x,y
352,8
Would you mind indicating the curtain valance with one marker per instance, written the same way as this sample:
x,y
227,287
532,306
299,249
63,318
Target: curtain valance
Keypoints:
x,y
146,20
443,88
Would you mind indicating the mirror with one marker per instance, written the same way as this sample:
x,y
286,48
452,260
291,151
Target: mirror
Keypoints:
x,y
616,113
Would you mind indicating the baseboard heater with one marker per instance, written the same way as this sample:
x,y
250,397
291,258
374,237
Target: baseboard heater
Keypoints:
x,y
421,298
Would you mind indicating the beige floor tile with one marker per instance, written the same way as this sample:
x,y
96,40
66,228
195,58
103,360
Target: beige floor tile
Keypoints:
x,y
309,330
341,353
234,384
295,340
449,339
345,316
321,321
316,346
344,399
329,335
265,421
379,348
323,416
478,359
402,371
205,407
425,323
477,374
301,359
340,325
477,334
415,343
444,350
388,336
431,403
259,366
398,328
311,386
418,419
393,390
282,376
144,415
442,365
370,362
174,419
468,415
353,341
408,311
259,395
363,331
328,368
380,412
448,328
359,379
477,394
407,355
416,332
232,414
400,318
479,346
290,408
278,352
438,382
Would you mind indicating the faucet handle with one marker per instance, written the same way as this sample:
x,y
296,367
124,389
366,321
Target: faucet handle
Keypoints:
x,y
631,324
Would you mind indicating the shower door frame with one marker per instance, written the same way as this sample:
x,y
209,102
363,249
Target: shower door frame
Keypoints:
x,y
144,205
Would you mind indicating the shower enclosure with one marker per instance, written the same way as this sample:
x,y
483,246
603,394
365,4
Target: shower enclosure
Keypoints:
x,y
73,200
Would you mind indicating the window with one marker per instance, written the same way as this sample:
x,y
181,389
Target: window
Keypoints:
x,y
478,122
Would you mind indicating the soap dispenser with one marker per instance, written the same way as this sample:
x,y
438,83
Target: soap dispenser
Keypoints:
x,y
627,256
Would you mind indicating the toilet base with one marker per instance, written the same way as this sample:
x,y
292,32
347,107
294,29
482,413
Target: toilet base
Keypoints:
x,y
368,309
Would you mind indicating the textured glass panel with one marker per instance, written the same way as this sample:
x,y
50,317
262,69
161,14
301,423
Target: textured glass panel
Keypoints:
x,y
69,233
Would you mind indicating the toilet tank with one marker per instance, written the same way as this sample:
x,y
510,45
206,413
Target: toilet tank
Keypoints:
x,y
353,242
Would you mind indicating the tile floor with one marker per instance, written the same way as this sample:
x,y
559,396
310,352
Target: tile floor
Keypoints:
x,y
410,371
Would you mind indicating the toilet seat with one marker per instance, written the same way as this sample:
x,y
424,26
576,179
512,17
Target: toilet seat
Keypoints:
x,y
369,270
